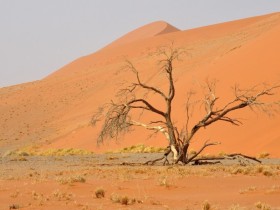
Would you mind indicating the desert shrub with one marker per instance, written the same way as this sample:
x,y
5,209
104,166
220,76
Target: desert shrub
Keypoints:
x,y
206,205
99,193
124,200
14,206
71,179
267,172
262,206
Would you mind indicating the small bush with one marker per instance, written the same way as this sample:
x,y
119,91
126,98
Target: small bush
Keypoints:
x,y
99,193
262,206
14,206
206,205
267,173
72,179
124,200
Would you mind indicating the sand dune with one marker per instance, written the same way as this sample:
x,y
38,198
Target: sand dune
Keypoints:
x,y
56,111
144,32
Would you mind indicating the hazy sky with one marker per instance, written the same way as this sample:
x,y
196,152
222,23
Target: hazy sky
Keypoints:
x,y
39,37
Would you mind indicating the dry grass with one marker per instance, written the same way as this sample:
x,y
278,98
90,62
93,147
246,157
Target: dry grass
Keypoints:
x,y
163,181
99,193
140,148
64,152
206,205
165,173
19,159
248,190
124,200
262,206
14,206
15,194
274,189
49,152
71,179
62,196
266,170
263,155
236,207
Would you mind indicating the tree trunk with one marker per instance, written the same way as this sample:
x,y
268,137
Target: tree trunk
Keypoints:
x,y
185,153
172,139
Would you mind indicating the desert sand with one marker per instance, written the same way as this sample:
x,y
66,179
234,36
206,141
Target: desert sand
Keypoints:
x,y
55,112
71,182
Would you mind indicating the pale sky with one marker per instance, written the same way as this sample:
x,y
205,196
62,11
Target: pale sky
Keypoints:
x,y
39,37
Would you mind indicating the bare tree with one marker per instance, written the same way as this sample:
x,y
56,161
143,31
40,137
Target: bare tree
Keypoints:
x,y
119,115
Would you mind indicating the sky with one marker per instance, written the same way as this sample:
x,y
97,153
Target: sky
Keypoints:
x,y
39,37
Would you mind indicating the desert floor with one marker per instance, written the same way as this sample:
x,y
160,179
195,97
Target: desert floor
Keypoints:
x,y
71,182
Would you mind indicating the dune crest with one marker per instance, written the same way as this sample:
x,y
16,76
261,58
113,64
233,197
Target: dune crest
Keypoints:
x,y
146,31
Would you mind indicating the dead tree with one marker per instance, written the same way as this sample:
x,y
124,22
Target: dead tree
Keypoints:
x,y
251,98
119,115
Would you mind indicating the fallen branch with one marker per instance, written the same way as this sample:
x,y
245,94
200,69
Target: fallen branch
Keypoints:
x,y
198,161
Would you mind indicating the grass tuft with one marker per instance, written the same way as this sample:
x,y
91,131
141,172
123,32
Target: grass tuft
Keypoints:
x,y
262,206
263,155
206,205
71,180
124,200
99,193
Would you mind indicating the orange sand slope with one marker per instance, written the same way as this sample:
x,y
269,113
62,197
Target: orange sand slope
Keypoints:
x,y
56,111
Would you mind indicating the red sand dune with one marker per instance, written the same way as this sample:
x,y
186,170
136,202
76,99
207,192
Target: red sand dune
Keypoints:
x,y
56,111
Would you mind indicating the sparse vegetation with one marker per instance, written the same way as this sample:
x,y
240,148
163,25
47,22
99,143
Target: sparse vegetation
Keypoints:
x,y
140,148
124,200
236,207
264,155
19,159
206,205
71,179
262,206
62,196
14,206
164,182
64,152
48,152
248,190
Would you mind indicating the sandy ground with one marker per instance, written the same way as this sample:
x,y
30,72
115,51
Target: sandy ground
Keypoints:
x,y
70,182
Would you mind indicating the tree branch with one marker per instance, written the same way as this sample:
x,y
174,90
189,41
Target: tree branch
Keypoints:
x,y
148,106
201,150
141,84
